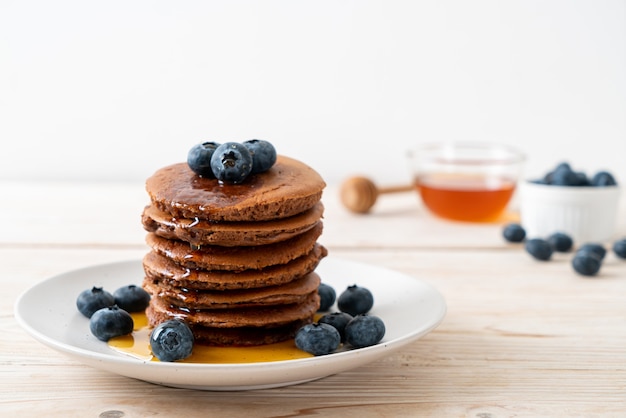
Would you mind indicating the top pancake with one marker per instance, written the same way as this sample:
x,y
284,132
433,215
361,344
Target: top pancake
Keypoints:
x,y
288,188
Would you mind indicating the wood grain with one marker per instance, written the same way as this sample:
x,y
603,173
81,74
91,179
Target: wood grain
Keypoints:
x,y
521,338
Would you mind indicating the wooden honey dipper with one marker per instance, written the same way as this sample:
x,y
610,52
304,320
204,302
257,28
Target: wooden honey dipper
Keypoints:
x,y
358,194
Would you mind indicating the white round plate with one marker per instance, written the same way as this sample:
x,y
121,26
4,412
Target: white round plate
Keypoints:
x,y
410,308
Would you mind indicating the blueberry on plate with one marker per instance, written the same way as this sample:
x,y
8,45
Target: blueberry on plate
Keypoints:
x,y
263,154
339,320
364,330
91,300
619,248
560,242
171,340
318,339
594,248
199,158
355,300
110,322
327,296
539,248
131,298
514,233
586,263
231,162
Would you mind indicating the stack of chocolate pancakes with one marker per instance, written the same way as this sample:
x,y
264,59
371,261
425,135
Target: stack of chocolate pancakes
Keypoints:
x,y
234,261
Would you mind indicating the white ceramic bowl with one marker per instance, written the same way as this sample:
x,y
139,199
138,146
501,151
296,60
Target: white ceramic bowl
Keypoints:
x,y
587,214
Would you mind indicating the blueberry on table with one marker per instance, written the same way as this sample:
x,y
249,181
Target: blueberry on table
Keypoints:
x,y
131,298
560,242
514,233
327,296
602,179
110,322
539,248
339,320
594,248
171,340
355,300
364,330
318,339
619,248
263,154
91,300
199,158
586,263
231,162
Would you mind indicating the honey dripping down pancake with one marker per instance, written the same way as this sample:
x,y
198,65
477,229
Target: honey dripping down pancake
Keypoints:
x,y
215,257
293,292
287,189
234,261
202,232
162,270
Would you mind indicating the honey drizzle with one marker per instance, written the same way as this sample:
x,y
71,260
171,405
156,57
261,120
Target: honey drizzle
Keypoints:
x,y
137,345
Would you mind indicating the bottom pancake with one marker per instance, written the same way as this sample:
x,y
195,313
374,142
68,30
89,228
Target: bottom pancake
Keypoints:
x,y
238,327
246,336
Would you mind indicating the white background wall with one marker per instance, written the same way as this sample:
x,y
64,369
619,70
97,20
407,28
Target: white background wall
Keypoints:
x,y
112,90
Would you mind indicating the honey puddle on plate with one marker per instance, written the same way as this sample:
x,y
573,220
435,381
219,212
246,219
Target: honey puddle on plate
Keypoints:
x,y
137,345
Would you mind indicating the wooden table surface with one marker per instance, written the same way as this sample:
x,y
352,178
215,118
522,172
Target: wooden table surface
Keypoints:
x,y
520,338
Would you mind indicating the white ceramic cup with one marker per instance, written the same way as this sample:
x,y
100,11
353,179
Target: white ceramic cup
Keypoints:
x,y
586,214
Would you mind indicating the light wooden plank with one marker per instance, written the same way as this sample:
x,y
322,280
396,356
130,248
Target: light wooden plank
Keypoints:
x,y
521,338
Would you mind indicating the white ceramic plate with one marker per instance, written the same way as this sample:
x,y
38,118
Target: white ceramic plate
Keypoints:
x,y
409,307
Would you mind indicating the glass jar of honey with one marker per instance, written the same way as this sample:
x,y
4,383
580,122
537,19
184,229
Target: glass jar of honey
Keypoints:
x,y
466,181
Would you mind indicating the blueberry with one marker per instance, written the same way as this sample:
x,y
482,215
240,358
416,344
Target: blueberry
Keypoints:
x,y
131,298
91,300
594,248
327,296
318,339
171,340
514,233
263,154
547,179
581,179
355,300
339,320
364,330
564,165
619,248
539,249
560,242
603,178
199,158
586,263
564,176
231,162
110,322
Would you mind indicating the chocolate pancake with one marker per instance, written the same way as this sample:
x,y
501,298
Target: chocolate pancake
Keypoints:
x,y
288,188
214,257
239,327
164,271
246,336
202,232
269,316
295,291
